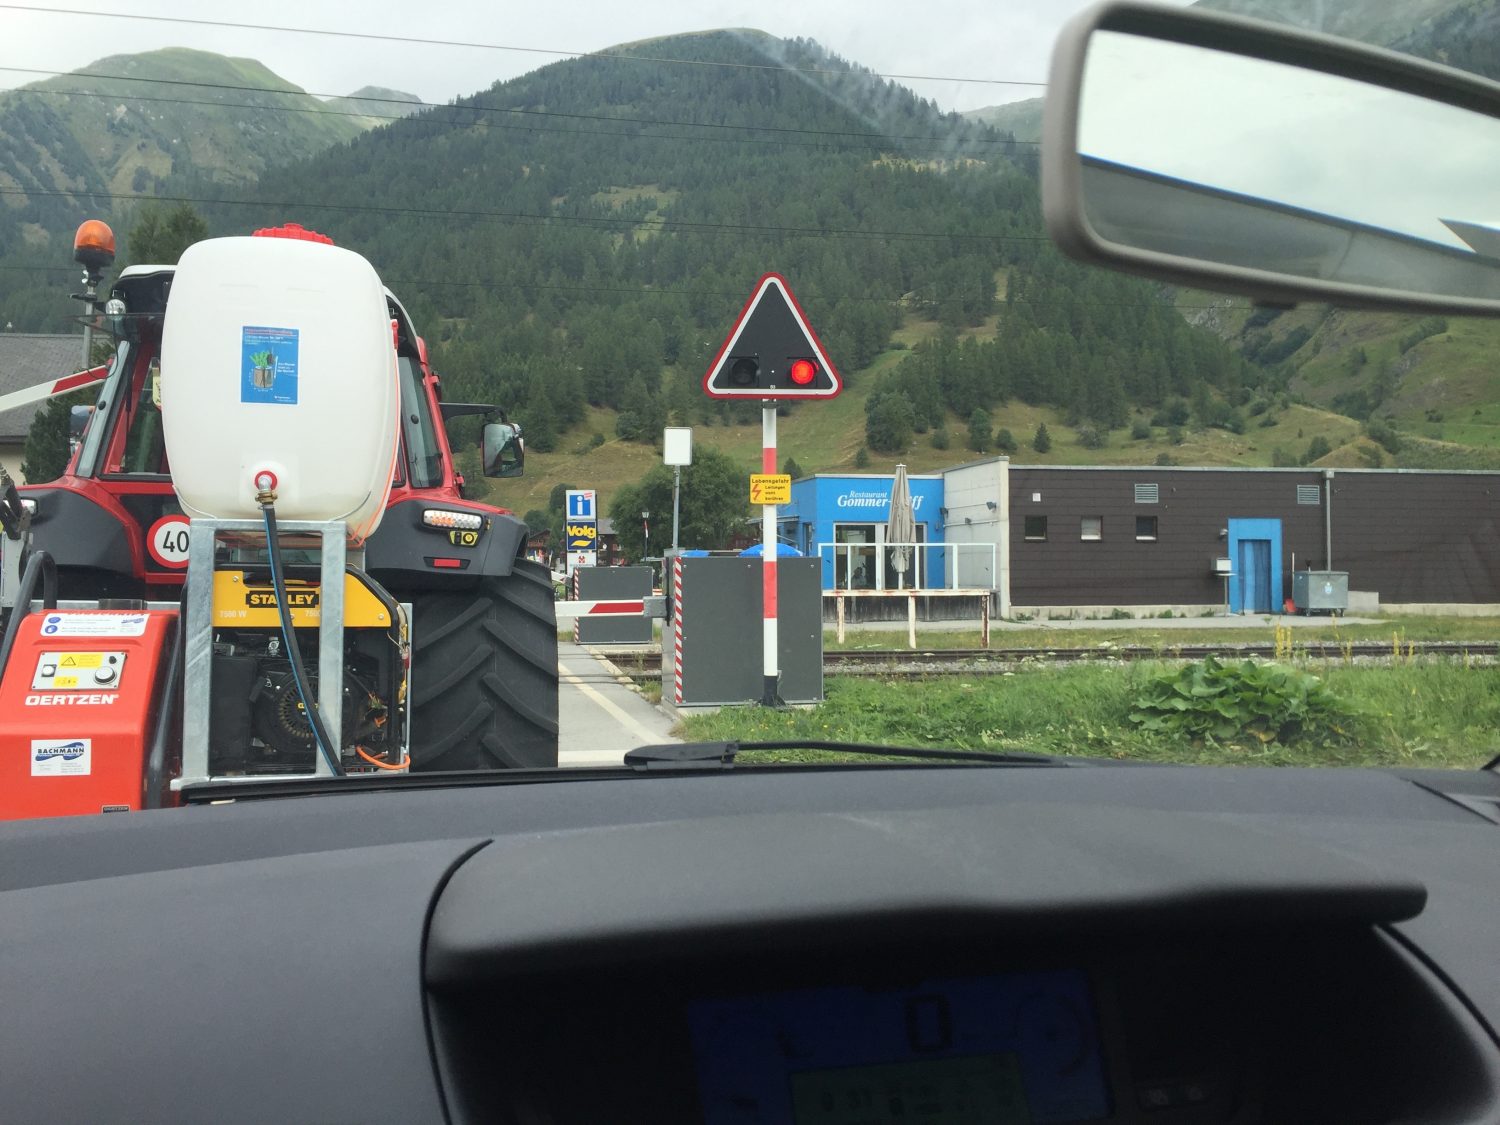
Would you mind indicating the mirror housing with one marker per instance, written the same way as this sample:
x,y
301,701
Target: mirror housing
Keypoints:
x,y
502,450
1224,153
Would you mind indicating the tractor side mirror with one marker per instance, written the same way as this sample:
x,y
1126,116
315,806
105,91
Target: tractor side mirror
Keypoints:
x,y
502,450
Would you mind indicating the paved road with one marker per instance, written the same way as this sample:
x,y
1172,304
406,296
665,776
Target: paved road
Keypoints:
x,y
600,717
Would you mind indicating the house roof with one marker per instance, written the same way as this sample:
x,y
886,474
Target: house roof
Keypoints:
x,y
27,359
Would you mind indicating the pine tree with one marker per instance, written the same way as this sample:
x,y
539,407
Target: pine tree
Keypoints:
x,y
1042,441
979,431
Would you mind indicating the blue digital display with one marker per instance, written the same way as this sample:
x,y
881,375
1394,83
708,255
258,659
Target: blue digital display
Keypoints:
x,y
1011,1050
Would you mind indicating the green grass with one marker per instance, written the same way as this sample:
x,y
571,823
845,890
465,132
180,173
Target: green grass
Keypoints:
x,y
1427,713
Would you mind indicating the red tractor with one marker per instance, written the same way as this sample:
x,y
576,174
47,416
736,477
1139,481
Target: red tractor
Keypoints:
x,y
484,635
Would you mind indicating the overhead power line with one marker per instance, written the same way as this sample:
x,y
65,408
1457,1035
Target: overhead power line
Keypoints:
x,y
552,51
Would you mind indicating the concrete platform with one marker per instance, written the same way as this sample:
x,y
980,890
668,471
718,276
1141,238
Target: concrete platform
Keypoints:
x,y
600,716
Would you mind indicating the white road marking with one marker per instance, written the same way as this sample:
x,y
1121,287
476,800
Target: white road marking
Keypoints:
x,y
645,735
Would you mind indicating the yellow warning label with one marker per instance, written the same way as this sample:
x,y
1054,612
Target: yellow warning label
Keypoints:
x,y
61,681
81,660
770,488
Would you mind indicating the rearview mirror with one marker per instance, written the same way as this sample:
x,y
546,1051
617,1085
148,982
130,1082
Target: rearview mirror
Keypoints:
x,y
1228,154
502,450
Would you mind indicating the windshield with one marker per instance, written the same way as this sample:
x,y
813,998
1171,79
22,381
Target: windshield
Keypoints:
x,y
1018,504
424,457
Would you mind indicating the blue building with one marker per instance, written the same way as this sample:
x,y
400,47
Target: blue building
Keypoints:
x,y
842,520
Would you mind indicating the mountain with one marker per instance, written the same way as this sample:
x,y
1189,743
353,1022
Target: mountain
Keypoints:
x,y
1381,22
79,145
1022,120
375,105
576,242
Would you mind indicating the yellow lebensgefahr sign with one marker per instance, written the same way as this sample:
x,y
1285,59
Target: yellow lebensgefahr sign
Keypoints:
x,y
770,488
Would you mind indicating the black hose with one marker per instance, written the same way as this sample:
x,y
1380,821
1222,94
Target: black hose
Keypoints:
x,y
40,568
294,651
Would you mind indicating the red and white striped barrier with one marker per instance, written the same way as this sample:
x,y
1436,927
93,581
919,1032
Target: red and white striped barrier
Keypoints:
x,y
53,387
601,608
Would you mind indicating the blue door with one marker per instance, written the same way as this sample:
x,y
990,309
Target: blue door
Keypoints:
x,y
1255,556
1255,575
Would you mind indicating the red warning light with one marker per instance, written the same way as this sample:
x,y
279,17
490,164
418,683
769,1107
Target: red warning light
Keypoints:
x,y
803,372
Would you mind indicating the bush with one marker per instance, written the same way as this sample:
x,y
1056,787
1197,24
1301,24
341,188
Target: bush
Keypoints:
x,y
1090,437
1005,441
1216,702
1384,435
1165,459
862,458
940,438
1141,431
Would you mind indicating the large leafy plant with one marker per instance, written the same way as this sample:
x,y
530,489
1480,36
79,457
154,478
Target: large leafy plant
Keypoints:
x,y
1220,702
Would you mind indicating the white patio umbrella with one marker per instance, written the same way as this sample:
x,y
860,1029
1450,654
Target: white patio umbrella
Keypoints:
x,y
901,525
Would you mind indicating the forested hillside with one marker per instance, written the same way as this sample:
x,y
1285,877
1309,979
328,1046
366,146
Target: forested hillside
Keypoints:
x,y
582,237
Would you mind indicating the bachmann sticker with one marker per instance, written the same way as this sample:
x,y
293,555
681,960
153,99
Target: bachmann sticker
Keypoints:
x,y
61,757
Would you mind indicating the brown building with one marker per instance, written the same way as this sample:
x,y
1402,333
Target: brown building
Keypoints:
x,y
1156,536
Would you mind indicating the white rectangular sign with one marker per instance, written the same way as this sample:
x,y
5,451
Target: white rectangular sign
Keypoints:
x,y
61,757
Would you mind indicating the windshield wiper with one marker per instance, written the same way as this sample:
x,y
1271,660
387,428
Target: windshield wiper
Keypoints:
x,y
722,755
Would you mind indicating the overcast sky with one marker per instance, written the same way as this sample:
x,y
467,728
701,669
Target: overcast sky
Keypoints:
x,y
981,39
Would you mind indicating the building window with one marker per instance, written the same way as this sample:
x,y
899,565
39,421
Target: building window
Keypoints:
x,y
1309,494
1147,494
1145,529
1036,529
1092,528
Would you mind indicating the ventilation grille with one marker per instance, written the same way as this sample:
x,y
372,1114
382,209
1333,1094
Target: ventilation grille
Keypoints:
x,y
1147,494
1309,494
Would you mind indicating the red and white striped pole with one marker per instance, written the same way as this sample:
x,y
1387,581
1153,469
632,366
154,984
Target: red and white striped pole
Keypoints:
x,y
770,669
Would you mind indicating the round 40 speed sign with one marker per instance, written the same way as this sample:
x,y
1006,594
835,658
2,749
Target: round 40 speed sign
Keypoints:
x,y
167,541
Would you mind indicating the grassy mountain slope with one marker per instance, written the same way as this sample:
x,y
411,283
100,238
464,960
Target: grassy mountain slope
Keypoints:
x,y
70,144
1022,120
375,105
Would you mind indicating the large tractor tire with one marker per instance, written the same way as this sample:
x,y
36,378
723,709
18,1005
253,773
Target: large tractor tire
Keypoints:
x,y
484,675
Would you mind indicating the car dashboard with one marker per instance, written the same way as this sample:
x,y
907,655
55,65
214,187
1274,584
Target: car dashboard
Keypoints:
x,y
876,944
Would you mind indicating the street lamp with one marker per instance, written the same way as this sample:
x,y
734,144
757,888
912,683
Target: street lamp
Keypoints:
x,y
646,527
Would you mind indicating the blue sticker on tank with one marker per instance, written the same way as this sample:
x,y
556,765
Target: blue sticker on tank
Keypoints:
x,y
268,365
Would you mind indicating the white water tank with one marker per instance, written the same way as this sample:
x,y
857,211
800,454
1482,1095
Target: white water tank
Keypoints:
x,y
277,357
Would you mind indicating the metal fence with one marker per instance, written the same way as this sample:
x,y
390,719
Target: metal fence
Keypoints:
x,y
930,566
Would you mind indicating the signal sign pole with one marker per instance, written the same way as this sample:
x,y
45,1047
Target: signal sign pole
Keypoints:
x,y
769,663
771,353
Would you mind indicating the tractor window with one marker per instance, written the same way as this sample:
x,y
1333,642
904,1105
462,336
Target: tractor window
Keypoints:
x,y
145,449
424,456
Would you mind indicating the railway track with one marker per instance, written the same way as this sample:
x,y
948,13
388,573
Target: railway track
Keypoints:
x,y
969,661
